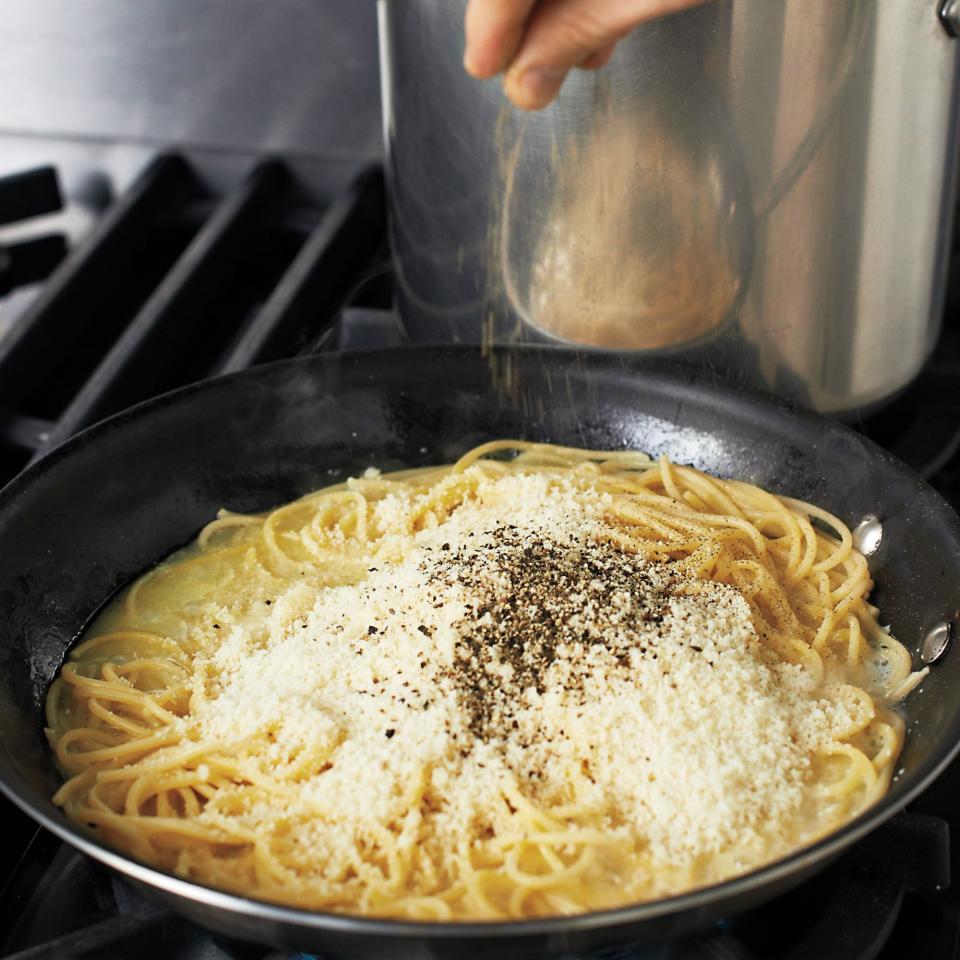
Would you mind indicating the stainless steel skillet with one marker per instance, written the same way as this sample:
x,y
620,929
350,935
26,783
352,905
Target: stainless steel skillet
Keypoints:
x,y
115,499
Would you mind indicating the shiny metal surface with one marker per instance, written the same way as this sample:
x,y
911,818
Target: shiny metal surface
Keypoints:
x,y
292,76
868,535
950,16
936,643
759,186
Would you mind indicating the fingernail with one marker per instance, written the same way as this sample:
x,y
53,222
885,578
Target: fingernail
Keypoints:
x,y
539,85
469,63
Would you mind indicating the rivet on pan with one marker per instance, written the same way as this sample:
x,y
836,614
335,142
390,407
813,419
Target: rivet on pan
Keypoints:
x,y
935,643
867,535
950,17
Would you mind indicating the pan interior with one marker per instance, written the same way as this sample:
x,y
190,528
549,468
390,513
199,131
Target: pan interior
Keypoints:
x,y
119,497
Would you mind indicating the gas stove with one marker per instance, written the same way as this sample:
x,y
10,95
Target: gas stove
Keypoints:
x,y
114,300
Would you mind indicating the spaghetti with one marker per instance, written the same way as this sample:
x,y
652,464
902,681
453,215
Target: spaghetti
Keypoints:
x,y
539,681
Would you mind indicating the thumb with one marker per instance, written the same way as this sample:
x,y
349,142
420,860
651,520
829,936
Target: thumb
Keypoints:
x,y
562,34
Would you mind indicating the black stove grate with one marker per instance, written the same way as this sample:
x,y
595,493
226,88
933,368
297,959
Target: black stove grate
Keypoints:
x,y
175,284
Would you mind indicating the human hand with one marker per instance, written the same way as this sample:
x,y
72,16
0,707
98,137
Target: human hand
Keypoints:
x,y
535,43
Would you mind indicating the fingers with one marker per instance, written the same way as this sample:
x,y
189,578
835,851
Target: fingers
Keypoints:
x,y
562,34
494,30
598,59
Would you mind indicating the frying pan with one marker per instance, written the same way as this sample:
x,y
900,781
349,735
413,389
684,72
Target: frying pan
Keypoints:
x,y
109,503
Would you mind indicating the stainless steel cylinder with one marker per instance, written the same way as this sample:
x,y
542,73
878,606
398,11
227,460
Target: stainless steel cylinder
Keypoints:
x,y
761,186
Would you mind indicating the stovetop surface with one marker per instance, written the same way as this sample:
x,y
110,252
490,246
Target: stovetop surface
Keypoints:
x,y
171,284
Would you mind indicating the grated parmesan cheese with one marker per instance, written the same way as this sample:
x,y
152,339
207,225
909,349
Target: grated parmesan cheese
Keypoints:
x,y
510,645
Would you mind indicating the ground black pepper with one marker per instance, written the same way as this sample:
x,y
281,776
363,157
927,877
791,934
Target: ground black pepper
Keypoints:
x,y
535,596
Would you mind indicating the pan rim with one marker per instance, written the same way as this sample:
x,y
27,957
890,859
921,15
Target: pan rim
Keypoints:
x,y
320,921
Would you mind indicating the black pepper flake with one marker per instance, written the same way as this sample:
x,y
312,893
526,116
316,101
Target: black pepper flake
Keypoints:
x,y
537,600
371,630
426,631
390,733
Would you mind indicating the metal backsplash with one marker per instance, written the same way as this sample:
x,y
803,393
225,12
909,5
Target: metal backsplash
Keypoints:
x,y
106,83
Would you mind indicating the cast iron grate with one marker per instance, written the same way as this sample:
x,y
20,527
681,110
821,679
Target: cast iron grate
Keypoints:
x,y
175,285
